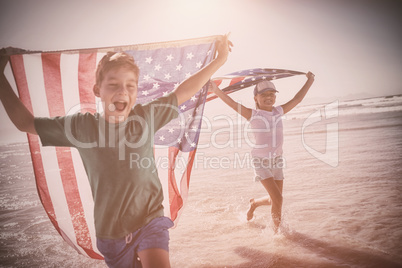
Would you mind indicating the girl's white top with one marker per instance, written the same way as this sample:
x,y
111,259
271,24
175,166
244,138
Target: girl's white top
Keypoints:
x,y
267,128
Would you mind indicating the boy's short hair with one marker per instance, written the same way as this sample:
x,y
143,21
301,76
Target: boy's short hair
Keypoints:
x,y
115,60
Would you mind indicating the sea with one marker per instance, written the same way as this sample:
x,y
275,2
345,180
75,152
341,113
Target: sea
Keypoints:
x,y
342,196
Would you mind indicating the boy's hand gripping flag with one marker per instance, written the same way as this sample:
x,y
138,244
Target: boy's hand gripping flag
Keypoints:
x,y
59,83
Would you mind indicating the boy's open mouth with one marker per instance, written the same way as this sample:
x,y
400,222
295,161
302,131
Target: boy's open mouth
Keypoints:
x,y
120,106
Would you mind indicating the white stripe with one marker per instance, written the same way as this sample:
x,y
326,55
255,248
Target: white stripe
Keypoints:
x,y
36,86
225,83
69,81
181,168
69,77
85,195
98,102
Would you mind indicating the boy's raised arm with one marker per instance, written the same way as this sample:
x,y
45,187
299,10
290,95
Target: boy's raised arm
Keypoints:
x,y
190,86
16,111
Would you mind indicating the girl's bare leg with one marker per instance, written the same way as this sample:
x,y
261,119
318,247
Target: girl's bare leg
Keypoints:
x,y
274,189
255,203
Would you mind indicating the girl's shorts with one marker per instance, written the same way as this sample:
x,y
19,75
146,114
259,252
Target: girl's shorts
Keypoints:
x,y
265,168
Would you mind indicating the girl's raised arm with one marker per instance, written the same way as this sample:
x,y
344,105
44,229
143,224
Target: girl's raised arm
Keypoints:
x,y
300,95
242,110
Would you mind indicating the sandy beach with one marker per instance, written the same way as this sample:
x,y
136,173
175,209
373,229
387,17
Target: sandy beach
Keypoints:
x,y
342,208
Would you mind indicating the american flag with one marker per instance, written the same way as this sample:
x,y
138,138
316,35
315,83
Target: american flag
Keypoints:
x,y
245,78
59,83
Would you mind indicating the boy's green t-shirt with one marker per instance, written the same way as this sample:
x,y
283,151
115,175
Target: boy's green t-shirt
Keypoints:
x,y
119,162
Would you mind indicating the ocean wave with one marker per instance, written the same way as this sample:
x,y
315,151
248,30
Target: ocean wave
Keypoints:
x,y
350,107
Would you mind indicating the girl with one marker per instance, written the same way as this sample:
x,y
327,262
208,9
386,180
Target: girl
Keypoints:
x,y
266,125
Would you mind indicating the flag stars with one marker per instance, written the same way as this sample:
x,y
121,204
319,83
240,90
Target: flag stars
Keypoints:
x,y
167,76
193,98
147,77
156,85
178,67
193,144
199,64
188,75
179,140
145,92
190,56
171,130
157,67
183,107
162,138
165,93
169,57
148,60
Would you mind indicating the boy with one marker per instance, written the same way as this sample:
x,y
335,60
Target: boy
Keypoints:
x,y
128,209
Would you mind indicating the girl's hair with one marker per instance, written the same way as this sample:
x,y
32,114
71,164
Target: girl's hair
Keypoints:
x,y
115,60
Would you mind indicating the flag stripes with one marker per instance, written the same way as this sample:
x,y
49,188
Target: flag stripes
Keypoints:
x,y
59,83
245,78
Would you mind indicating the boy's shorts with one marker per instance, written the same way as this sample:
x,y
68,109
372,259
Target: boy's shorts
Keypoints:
x,y
123,252
265,168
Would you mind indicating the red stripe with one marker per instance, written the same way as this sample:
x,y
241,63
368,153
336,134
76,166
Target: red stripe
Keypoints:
x,y
17,63
86,81
218,82
54,94
236,80
175,200
52,80
210,96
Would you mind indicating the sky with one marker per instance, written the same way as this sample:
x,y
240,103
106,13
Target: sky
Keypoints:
x,y
353,47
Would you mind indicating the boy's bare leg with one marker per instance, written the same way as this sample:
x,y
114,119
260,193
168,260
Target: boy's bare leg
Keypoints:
x,y
154,257
255,203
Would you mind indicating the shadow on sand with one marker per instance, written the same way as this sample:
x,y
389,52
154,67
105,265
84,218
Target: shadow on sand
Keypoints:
x,y
331,256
